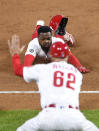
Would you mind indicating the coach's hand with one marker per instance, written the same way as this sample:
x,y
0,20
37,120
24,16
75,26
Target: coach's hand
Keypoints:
x,y
14,45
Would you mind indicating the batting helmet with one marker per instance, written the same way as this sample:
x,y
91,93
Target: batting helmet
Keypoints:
x,y
57,21
59,50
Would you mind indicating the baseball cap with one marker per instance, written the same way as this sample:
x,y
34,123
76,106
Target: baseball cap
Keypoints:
x,y
59,50
56,21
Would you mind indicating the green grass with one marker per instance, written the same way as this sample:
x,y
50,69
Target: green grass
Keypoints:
x,y
10,120
92,115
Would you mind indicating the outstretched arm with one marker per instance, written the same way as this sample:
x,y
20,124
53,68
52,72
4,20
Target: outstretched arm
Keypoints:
x,y
74,61
15,50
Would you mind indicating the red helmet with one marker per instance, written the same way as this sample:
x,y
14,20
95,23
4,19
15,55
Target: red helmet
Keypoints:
x,y
55,21
59,50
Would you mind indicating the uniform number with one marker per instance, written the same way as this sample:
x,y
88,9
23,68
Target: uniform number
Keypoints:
x,y
59,79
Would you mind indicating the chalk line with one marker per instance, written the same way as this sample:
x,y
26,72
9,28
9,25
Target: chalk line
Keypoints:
x,y
30,92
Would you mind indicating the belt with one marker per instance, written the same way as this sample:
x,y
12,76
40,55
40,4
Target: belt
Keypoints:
x,y
69,106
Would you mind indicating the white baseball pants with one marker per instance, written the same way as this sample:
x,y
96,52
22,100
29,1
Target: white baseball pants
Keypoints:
x,y
51,119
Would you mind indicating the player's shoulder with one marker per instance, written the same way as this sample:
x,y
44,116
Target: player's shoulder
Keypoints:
x,y
39,67
34,43
56,39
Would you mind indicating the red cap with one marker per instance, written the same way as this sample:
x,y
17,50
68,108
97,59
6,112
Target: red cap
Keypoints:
x,y
55,21
59,50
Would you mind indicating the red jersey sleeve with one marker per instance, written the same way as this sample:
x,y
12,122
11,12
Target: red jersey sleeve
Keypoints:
x,y
74,61
17,66
28,60
35,33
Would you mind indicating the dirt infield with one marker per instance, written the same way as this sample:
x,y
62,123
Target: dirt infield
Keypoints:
x,y
20,16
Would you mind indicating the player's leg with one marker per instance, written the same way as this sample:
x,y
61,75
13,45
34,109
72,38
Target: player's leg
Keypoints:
x,y
42,122
89,126
80,122
86,124
30,125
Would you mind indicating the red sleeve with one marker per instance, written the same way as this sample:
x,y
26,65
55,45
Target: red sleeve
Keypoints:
x,y
17,66
73,60
28,60
35,33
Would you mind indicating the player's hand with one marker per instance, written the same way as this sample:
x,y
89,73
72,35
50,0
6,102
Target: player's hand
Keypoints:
x,y
83,69
14,45
69,39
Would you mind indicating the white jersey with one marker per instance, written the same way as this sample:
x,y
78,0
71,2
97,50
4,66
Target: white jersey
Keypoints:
x,y
34,47
58,82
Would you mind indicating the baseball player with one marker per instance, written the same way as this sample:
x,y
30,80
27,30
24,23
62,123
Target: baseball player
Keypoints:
x,y
40,47
59,85
57,24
